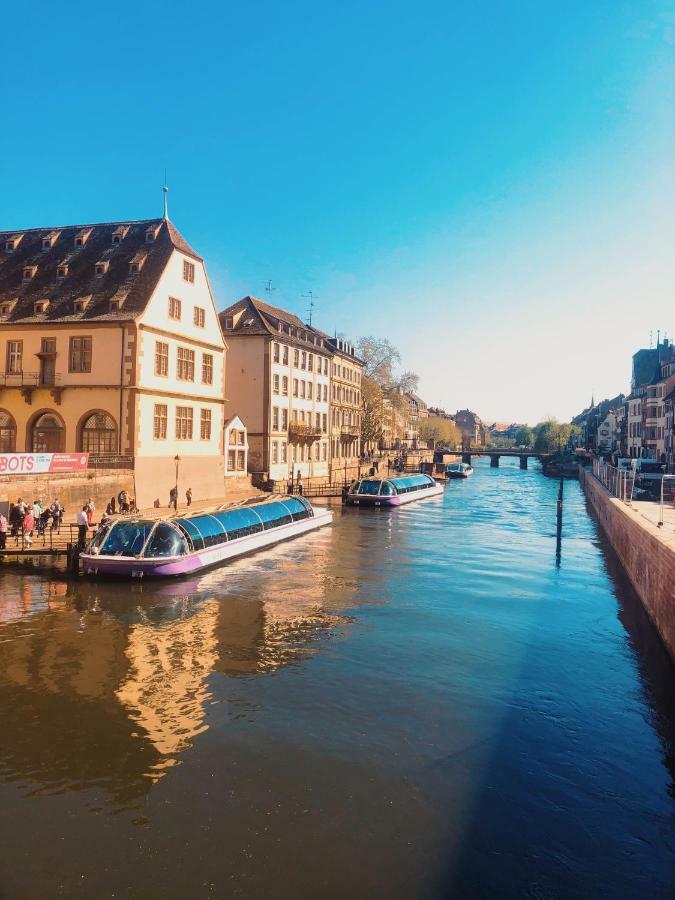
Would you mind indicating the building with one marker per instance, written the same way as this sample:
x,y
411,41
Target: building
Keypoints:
x,y
415,410
345,409
111,345
279,382
609,433
235,450
472,428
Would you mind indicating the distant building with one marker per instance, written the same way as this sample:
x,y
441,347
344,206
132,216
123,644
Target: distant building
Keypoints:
x,y
472,428
236,448
346,407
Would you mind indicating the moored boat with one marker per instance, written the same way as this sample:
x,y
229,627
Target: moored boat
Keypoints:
x,y
458,470
393,491
138,547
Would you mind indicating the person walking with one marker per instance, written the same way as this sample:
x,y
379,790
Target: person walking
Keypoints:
x,y
4,526
299,482
15,520
188,496
289,485
82,527
27,527
91,508
123,500
173,499
57,514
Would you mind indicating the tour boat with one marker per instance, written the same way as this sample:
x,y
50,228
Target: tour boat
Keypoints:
x,y
458,470
392,491
178,545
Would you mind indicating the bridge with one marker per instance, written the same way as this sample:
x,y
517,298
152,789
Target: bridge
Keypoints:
x,y
495,453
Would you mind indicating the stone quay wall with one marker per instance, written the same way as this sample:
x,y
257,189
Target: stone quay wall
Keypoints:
x,y
646,552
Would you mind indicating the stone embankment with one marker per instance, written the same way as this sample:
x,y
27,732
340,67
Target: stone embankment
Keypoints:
x,y
646,551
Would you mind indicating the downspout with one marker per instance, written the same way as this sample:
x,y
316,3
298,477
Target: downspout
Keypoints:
x,y
119,433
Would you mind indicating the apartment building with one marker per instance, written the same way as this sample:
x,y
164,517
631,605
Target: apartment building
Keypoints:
x,y
279,377
346,407
111,345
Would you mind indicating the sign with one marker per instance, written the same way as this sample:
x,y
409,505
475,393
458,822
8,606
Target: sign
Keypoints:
x,y
42,463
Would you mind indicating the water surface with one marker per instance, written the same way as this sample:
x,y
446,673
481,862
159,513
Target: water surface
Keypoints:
x,y
421,702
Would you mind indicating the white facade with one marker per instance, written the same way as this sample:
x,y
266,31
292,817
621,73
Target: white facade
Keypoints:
x,y
236,448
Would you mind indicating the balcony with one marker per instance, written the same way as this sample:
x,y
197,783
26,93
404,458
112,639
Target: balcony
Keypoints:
x,y
30,379
298,431
110,461
349,432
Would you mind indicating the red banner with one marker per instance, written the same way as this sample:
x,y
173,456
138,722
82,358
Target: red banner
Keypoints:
x,y
42,463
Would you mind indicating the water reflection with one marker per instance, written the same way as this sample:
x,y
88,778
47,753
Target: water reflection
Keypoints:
x,y
106,685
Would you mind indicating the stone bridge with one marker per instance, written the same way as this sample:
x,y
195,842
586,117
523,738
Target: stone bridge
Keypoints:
x,y
496,453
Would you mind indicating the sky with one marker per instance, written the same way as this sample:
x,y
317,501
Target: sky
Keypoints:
x,y
490,185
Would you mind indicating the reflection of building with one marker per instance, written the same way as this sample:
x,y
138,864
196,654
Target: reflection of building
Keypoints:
x,y
112,346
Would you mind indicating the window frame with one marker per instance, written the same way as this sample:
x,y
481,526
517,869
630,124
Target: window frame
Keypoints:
x,y
161,359
175,304
160,421
81,368
185,367
9,369
205,421
188,271
207,368
184,416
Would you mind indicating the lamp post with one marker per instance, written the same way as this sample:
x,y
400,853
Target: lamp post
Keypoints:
x,y
175,502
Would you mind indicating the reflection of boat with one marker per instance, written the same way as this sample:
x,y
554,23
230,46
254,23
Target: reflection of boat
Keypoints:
x,y
392,491
179,545
458,470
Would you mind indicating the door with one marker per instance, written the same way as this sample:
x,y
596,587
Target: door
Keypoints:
x,y
47,360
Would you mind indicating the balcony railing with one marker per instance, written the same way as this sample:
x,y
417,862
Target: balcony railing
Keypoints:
x,y
301,431
110,461
350,431
30,379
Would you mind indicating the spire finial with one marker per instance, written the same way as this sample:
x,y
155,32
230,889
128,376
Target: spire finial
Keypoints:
x,y
165,191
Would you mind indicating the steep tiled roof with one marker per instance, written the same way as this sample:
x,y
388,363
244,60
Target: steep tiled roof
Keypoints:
x,y
263,319
80,281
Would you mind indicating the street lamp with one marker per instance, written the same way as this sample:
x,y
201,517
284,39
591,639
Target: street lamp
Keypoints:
x,y
175,502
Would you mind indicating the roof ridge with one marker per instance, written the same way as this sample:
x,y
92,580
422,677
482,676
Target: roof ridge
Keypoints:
x,y
84,225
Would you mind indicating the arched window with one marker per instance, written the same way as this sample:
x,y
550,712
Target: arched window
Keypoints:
x,y
7,433
48,434
99,434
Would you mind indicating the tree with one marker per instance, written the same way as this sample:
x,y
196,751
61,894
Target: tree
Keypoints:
x,y
524,437
551,436
440,431
380,382
372,400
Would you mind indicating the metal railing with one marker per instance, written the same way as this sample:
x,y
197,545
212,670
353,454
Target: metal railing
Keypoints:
x,y
301,430
30,379
628,485
110,461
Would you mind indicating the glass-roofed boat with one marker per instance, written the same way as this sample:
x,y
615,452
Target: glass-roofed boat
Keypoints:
x,y
139,547
392,491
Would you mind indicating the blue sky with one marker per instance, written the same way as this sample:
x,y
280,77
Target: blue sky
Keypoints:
x,y
488,184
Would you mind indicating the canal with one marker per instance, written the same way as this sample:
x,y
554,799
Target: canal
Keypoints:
x,y
417,703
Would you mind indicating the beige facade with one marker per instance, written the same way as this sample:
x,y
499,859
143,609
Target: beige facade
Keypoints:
x,y
346,408
279,382
113,346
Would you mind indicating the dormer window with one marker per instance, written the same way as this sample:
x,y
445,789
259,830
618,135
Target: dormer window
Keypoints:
x,y
101,268
136,264
29,272
119,234
49,240
11,245
117,303
6,308
81,238
229,322
40,306
81,304
61,272
151,233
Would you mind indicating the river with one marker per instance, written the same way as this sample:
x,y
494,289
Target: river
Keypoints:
x,y
415,703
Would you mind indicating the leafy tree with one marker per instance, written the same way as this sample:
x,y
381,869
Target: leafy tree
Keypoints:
x,y
552,436
439,431
381,382
524,437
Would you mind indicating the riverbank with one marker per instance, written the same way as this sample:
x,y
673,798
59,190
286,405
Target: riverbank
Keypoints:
x,y
646,551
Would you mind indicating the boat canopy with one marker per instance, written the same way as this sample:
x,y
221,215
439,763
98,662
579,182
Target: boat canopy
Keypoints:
x,y
388,487
181,535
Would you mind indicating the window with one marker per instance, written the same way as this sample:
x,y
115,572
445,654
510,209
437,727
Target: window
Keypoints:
x,y
276,350
7,433
174,308
207,368
295,387
241,459
275,418
99,435
80,354
284,419
316,452
303,390
188,271
29,272
231,460
325,393
285,356
296,358
275,451
183,423
318,421
303,360
117,238
283,451
101,269
199,316
185,370
325,423
310,388
14,357
324,450
310,362
161,358
61,272
159,429
229,322
284,386
241,437
205,425
275,384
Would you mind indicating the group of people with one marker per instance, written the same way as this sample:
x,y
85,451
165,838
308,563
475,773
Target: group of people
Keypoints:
x,y
26,519
294,487
173,498
123,502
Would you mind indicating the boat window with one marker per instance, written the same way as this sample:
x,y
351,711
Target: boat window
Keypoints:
x,y
239,522
189,527
354,489
273,515
166,540
211,529
369,488
126,538
387,489
298,508
99,537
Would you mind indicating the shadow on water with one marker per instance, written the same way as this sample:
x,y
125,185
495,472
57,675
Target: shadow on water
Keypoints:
x,y
502,852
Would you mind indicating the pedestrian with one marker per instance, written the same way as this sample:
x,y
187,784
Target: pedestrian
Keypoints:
x,y
57,514
37,509
82,527
123,499
4,525
15,520
90,510
289,485
188,496
299,481
27,527
110,508
173,499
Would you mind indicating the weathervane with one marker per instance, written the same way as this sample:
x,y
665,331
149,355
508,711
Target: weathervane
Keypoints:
x,y
312,297
165,191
